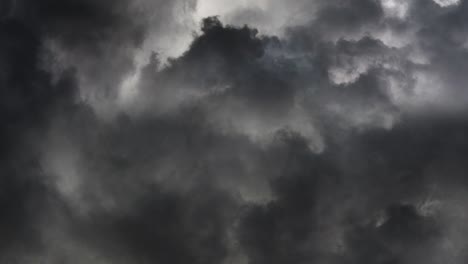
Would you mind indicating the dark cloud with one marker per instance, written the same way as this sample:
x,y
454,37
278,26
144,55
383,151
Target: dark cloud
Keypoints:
x,y
166,227
28,98
80,23
230,59
360,201
349,16
341,140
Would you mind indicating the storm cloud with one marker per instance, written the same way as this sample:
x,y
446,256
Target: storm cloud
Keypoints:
x,y
251,132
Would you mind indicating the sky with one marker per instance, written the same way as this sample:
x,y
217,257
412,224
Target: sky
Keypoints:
x,y
233,132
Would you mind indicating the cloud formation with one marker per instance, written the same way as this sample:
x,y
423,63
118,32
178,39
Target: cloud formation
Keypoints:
x,y
300,132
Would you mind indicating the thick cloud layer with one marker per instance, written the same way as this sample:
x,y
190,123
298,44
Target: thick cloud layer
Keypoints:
x,y
300,132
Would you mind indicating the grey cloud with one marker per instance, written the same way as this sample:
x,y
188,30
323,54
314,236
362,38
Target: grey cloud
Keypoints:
x,y
323,144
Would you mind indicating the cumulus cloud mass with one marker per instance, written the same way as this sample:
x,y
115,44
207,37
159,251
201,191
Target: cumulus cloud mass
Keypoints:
x,y
233,132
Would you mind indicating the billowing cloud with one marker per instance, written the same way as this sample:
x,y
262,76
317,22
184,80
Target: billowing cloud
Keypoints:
x,y
218,132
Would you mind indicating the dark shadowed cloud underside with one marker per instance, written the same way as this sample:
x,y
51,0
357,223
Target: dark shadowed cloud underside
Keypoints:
x,y
233,132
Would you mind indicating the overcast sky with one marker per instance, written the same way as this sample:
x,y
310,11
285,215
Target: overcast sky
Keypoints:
x,y
233,132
